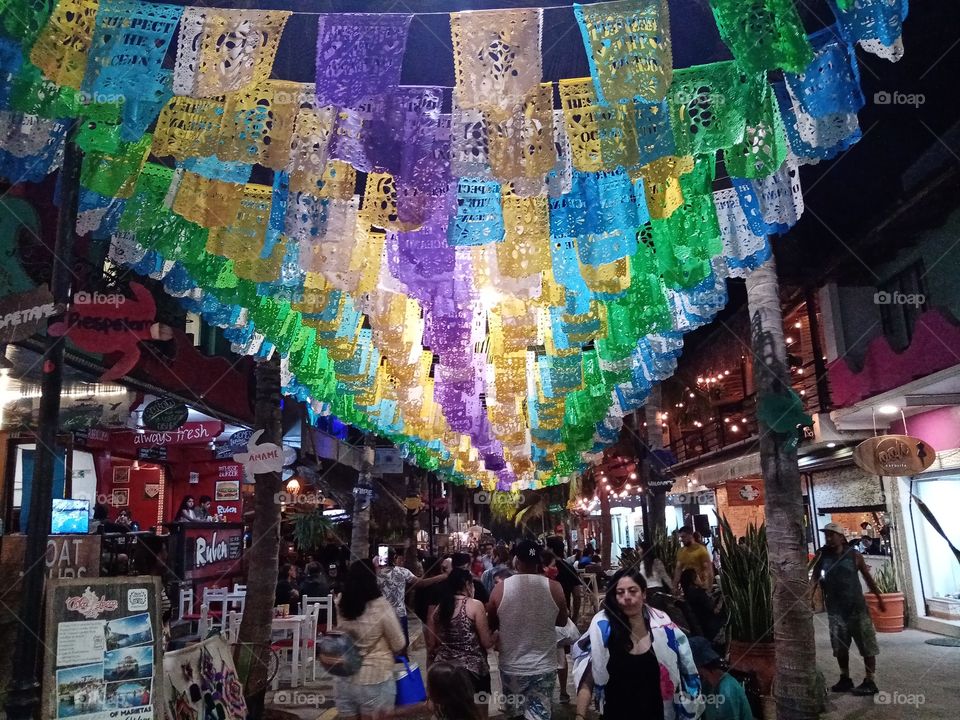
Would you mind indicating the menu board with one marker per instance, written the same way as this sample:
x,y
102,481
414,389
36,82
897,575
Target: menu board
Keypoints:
x,y
104,636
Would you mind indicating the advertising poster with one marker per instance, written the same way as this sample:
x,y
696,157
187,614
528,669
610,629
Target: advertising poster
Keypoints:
x,y
105,635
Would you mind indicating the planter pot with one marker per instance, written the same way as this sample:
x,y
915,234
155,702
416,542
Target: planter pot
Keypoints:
x,y
758,658
891,620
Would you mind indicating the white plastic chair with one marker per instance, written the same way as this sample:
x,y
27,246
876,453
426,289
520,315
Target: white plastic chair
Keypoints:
x,y
308,641
205,623
238,588
185,606
325,604
212,597
232,629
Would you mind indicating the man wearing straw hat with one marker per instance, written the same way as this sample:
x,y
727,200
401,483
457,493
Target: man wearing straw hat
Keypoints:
x,y
836,568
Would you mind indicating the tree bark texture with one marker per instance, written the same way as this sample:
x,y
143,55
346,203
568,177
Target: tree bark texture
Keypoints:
x,y
657,516
362,496
253,648
795,683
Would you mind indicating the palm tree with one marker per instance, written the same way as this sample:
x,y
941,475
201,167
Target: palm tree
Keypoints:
x,y
795,685
362,496
657,516
253,648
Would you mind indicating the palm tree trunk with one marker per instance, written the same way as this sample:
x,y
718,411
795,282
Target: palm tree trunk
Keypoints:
x,y
606,528
253,649
362,495
657,516
795,684
411,559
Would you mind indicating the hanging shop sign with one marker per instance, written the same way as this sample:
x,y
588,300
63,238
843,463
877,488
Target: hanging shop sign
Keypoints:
x,y
104,636
23,314
164,414
388,461
265,457
894,455
129,443
112,323
744,492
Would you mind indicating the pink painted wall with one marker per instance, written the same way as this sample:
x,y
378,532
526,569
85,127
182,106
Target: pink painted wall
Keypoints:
x,y
940,428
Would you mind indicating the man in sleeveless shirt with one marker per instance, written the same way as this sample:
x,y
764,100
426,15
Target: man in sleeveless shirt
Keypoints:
x,y
527,607
837,569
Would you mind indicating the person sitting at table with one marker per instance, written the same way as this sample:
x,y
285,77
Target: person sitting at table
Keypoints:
x,y
188,510
315,585
286,584
204,514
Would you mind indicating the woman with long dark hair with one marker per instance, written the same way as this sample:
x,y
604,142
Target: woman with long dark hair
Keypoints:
x,y
370,620
704,619
640,660
451,694
459,633
188,510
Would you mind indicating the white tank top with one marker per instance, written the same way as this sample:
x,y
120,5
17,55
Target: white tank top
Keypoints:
x,y
528,617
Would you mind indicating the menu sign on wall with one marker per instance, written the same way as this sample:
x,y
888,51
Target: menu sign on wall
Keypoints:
x,y
104,636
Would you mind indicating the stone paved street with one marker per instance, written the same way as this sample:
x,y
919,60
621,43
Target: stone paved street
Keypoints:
x,y
918,681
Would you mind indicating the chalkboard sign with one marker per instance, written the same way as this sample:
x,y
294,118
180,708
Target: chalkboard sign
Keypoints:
x,y
105,641
164,414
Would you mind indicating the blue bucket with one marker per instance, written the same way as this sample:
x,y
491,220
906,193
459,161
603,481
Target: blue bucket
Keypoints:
x,y
410,687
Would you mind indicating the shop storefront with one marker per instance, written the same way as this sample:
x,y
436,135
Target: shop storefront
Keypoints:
x,y
931,571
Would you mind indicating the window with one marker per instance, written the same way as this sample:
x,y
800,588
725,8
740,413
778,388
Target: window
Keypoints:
x,y
901,300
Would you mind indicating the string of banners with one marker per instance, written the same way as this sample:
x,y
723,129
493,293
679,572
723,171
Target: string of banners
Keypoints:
x,y
493,287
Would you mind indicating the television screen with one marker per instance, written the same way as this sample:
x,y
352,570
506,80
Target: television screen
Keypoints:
x,y
70,516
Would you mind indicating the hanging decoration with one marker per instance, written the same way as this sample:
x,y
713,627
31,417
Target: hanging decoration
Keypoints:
x,y
359,56
505,282
221,51
628,46
496,57
763,34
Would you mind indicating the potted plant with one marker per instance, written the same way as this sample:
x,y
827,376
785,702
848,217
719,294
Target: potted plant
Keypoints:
x,y
891,620
748,595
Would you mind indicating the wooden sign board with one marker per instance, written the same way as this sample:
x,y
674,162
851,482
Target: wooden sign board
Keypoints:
x,y
104,640
894,455
744,492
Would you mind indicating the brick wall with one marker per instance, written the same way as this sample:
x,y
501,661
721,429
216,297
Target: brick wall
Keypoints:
x,y
739,516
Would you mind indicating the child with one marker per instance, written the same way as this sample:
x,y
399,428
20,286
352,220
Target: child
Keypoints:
x,y
450,694
726,699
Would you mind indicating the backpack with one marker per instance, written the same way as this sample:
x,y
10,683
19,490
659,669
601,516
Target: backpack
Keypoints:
x,y
338,654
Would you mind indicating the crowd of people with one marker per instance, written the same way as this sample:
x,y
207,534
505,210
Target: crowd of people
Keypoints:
x,y
523,602
653,649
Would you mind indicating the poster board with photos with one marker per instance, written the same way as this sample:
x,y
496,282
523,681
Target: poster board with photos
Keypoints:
x,y
105,654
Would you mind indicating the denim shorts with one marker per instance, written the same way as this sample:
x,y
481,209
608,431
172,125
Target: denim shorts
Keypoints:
x,y
355,699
